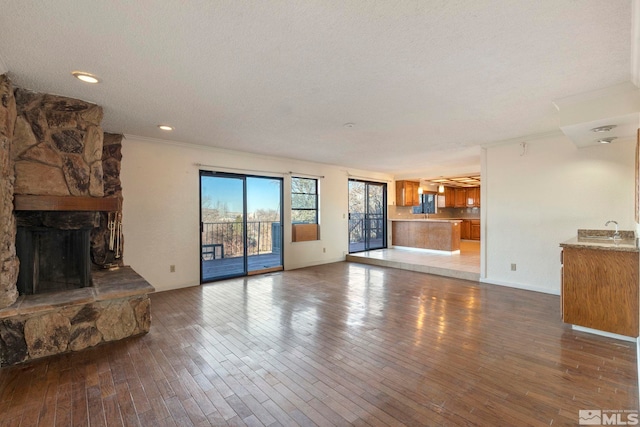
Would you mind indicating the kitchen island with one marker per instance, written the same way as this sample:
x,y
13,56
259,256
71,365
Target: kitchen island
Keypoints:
x,y
434,234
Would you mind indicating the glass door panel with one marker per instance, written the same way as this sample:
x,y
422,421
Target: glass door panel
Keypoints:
x,y
367,216
223,250
356,216
375,221
264,224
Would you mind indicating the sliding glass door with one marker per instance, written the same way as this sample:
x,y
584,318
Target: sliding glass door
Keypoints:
x,y
264,224
240,225
367,215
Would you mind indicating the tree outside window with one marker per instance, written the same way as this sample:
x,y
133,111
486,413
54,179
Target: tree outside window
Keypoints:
x,y
304,200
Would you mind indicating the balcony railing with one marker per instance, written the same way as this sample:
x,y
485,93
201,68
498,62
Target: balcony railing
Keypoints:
x,y
262,237
361,223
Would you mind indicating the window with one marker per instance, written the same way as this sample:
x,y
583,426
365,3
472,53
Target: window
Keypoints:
x,y
304,200
304,209
427,204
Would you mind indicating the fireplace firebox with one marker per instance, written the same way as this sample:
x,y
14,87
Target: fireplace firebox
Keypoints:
x,y
54,250
53,260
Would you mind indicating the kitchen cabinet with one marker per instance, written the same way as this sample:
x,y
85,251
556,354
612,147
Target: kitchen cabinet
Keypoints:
x,y
449,197
460,198
475,229
470,229
465,229
473,196
407,193
600,289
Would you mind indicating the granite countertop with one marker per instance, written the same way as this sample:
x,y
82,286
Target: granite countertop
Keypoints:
x,y
426,220
603,240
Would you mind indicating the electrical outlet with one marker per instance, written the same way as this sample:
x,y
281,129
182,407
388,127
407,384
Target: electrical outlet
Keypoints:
x,y
172,268
324,250
513,267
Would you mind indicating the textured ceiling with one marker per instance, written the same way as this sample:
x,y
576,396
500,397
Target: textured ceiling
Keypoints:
x,y
424,82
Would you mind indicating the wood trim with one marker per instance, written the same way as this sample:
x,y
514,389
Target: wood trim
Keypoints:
x,y
265,270
23,202
304,232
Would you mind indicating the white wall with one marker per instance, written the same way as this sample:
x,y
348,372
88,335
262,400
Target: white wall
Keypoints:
x,y
532,202
161,207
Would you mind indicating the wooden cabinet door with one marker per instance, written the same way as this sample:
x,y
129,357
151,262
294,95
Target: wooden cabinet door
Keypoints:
x,y
472,197
449,197
600,290
460,198
475,229
413,197
465,229
407,193
400,193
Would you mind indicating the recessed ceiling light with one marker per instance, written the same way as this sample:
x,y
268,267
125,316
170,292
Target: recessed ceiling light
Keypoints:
x,y
85,77
606,140
349,125
605,128
166,127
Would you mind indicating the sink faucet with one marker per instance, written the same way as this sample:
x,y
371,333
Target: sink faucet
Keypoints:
x,y
616,235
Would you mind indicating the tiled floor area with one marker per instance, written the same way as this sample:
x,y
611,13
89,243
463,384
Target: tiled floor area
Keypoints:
x,y
463,265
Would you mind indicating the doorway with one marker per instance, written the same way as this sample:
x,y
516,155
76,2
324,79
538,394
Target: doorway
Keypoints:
x,y
367,215
240,225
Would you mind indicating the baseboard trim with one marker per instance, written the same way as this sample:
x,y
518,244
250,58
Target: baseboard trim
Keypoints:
x,y
604,334
519,286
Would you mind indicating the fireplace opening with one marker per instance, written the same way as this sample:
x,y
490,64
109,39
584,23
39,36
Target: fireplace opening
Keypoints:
x,y
54,251
53,260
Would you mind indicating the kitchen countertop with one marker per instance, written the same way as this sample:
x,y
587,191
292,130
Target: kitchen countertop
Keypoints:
x,y
599,239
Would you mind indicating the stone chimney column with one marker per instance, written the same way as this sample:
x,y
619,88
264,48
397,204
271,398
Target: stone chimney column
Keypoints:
x,y
9,263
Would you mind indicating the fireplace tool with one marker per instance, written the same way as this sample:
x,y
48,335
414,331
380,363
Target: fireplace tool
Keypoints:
x,y
114,242
118,232
111,225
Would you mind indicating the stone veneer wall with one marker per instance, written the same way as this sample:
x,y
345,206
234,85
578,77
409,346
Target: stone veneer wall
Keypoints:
x,y
111,164
57,146
71,328
8,261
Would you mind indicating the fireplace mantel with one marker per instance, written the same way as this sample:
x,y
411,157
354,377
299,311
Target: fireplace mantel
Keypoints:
x,y
65,203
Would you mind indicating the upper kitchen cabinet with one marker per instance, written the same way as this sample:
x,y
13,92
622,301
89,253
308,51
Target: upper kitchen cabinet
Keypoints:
x,y
473,197
449,197
407,193
460,198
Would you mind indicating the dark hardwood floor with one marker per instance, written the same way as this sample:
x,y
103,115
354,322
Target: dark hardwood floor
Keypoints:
x,y
339,344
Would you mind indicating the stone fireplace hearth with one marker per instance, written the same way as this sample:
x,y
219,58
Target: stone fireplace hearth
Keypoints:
x,y
63,284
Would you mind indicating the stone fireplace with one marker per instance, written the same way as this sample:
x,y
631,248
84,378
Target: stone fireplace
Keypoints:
x,y
63,284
